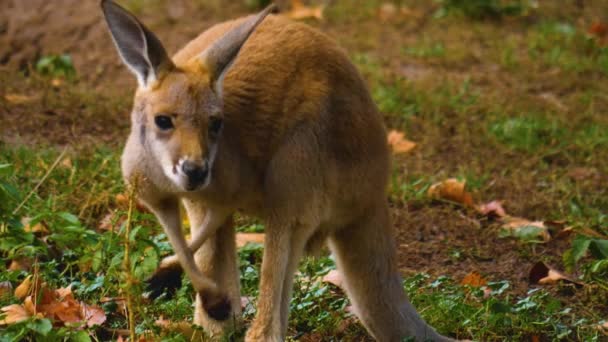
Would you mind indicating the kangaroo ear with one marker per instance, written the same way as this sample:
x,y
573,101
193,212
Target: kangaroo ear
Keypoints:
x,y
139,48
218,58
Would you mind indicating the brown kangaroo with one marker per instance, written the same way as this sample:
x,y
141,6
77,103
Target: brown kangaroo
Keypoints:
x,y
268,117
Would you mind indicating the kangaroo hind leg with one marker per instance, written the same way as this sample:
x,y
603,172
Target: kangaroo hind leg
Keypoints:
x,y
366,255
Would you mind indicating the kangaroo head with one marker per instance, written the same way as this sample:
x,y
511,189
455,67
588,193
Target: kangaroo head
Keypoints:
x,y
177,111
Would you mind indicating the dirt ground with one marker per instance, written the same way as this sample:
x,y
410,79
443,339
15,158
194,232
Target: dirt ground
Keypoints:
x,y
436,238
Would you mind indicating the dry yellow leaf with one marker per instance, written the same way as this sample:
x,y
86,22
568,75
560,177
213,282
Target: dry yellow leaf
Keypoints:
x,y
452,190
21,264
14,313
545,275
521,227
493,208
24,288
300,11
398,143
6,288
19,98
474,279
29,305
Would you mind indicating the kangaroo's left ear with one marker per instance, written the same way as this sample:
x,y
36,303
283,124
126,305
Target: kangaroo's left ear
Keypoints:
x,y
138,47
218,58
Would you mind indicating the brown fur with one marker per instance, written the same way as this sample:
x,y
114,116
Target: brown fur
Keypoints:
x,y
303,148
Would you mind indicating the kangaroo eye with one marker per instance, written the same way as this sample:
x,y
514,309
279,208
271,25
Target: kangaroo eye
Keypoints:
x,y
215,125
163,122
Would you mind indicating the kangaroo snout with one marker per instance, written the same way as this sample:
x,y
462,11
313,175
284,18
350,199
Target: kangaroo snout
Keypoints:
x,y
195,172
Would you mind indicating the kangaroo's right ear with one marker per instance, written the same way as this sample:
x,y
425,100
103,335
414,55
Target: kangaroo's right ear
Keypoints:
x,y
138,47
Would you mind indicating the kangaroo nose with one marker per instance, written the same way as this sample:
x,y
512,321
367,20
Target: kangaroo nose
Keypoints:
x,y
196,173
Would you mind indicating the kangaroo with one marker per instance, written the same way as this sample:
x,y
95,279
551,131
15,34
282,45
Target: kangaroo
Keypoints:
x,y
267,117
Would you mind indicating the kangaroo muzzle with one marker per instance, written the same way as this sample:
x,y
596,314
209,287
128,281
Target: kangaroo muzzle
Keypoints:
x,y
195,173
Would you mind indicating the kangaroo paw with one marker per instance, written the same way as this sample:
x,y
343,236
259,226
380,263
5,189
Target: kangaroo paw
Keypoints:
x,y
166,279
218,307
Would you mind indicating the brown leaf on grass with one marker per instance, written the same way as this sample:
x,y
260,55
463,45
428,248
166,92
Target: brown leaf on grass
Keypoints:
x,y
582,173
387,11
598,29
300,11
6,288
29,306
334,277
93,315
66,163
553,100
24,288
66,311
245,301
398,143
474,279
21,264
452,190
603,328
244,238
493,208
14,313
39,228
525,229
18,99
544,275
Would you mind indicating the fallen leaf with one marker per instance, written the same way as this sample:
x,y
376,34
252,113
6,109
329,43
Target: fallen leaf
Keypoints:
x,y
582,173
56,82
334,277
245,301
553,100
452,190
6,288
493,208
14,313
19,98
300,11
545,275
93,315
66,163
39,227
398,143
244,238
564,233
474,279
598,29
525,229
387,11
24,288
603,327
21,264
